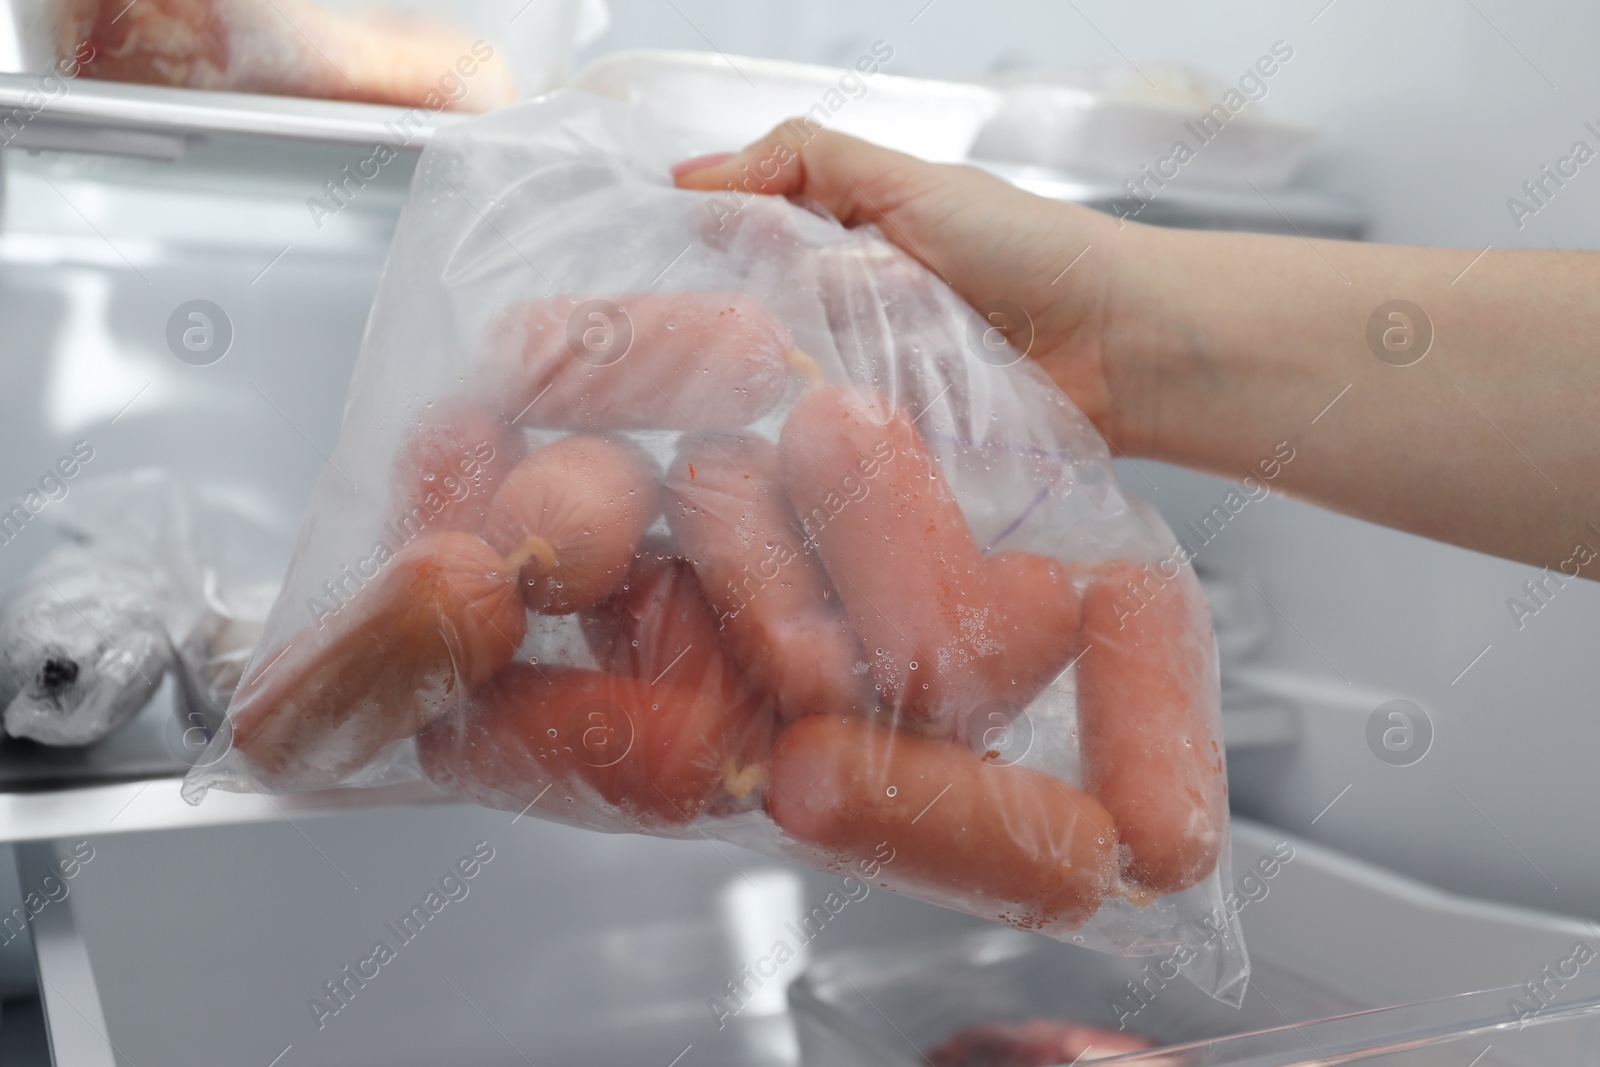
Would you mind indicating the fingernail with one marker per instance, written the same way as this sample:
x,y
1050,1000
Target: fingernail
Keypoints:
x,y
700,163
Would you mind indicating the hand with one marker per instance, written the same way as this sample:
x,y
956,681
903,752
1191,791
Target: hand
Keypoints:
x,y
1220,350
986,238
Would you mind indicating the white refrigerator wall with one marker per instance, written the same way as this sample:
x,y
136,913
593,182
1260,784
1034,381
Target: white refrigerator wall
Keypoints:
x,y
1433,115
1433,112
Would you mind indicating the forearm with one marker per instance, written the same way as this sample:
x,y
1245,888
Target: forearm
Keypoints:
x,y
1220,346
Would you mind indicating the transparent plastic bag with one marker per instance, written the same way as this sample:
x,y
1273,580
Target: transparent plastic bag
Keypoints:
x,y
663,512
213,657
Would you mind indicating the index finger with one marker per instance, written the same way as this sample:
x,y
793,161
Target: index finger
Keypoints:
x,y
858,182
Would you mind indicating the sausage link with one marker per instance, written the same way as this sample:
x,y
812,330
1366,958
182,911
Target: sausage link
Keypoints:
x,y
441,619
602,750
780,616
1004,841
702,362
893,539
452,462
1147,723
1040,613
572,514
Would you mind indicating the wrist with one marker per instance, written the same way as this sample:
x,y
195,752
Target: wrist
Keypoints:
x,y
1140,332
1217,344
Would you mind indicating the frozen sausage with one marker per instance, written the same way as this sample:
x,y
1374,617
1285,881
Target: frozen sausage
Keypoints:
x,y
572,514
988,835
778,612
442,617
1033,1043
893,539
289,47
452,462
702,362
655,621
659,626
586,745
1147,712
1040,612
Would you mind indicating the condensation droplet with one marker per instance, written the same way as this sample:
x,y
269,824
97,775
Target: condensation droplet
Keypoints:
x,y
891,791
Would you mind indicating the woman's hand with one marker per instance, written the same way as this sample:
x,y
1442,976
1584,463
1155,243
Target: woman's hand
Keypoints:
x,y
1223,351
982,235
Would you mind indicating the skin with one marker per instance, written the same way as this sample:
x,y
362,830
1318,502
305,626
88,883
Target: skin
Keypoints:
x,y
1207,349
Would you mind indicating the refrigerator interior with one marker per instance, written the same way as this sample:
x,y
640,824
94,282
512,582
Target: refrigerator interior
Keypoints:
x,y
210,943
558,946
